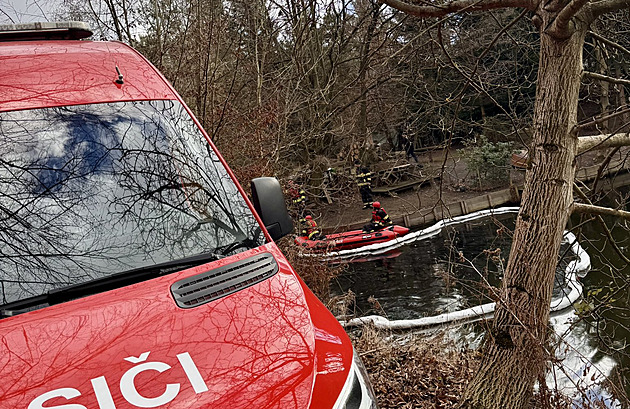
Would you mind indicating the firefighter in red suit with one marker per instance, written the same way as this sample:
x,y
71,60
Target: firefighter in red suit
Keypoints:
x,y
380,218
312,230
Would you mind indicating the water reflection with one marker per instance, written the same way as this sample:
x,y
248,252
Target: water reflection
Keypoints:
x,y
606,308
430,276
458,268
86,191
452,271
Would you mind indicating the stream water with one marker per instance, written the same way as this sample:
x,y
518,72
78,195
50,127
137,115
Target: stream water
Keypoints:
x,y
459,267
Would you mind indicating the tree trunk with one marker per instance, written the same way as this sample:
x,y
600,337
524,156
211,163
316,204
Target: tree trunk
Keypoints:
x,y
515,350
604,86
373,11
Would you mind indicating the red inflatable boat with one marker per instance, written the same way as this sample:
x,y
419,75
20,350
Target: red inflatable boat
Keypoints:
x,y
352,239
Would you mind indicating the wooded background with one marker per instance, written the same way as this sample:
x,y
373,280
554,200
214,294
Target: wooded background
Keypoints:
x,y
282,84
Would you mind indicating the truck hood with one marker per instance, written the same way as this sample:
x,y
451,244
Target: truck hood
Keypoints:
x,y
134,346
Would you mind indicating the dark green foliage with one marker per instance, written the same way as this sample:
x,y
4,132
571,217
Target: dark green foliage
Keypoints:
x,y
488,162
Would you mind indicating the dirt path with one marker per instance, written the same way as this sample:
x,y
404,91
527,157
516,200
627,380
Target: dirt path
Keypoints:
x,y
452,186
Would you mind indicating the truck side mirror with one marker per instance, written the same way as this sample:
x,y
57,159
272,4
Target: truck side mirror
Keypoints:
x,y
268,201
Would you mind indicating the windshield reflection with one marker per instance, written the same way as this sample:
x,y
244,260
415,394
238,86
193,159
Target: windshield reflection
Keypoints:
x,y
87,191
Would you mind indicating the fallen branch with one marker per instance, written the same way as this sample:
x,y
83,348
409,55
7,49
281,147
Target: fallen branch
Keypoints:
x,y
587,143
599,210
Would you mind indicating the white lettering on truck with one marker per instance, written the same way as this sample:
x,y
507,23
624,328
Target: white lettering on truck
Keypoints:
x,y
68,393
128,387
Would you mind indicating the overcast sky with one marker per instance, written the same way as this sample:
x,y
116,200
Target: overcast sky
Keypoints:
x,y
24,11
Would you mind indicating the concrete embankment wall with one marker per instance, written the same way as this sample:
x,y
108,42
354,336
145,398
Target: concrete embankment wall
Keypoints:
x,y
450,210
438,212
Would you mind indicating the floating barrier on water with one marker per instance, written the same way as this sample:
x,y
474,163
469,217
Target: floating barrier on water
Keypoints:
x,y
429,232
573,291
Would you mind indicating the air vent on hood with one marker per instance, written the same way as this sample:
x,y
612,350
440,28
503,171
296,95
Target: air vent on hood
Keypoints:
x,y
211,285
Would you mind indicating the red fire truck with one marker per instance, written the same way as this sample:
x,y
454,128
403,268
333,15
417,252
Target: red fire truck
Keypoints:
x,y
135,272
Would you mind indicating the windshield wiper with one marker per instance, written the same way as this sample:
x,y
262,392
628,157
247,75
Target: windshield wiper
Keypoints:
x,y
237,244
100,285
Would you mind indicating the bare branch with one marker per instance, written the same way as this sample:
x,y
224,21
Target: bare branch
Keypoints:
x,y
602,77
599,210
456,6
7,16
601,119
587,143
561,23
606,6
603,166
602,223
609,42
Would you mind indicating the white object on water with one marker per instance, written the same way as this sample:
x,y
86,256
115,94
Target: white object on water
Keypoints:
x,y
576,268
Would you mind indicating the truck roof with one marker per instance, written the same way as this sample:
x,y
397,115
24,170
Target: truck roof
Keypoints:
x,y
41,74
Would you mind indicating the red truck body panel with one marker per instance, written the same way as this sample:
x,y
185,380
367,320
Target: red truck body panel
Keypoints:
x,y
257,348
58,73
271,345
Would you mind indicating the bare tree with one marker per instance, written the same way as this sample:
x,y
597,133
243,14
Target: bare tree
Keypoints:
x,y
515,352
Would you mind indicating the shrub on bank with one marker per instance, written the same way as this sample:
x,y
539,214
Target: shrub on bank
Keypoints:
x,y
317,274
488,162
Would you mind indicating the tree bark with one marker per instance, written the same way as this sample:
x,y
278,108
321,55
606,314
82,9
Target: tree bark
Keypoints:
x,y
515,352
604,86
372,9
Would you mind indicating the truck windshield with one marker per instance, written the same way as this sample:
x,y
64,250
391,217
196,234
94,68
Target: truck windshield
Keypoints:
x,y
87,191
